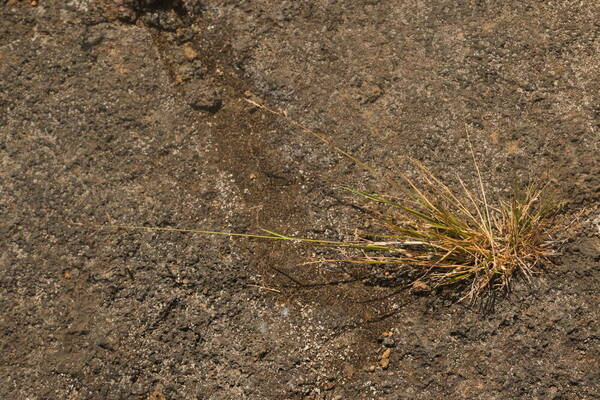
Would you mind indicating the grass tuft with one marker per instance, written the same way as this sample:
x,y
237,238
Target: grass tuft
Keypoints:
x,y
439,235
452,237
445,237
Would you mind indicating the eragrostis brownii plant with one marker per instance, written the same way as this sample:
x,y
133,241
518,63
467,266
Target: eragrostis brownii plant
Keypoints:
x,y
440,235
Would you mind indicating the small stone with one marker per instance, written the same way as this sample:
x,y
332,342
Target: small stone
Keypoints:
x,y
420,287
372,368
388,342
384,363
329,386
202,95
386,354
189,52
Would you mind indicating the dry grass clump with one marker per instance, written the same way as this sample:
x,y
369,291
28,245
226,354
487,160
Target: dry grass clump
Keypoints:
x,y
446,237
440,235
449,237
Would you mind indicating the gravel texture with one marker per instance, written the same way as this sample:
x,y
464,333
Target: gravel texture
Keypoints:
x,y
132,112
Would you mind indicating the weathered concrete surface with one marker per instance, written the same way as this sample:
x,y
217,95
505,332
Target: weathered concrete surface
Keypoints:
x,y
105,121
